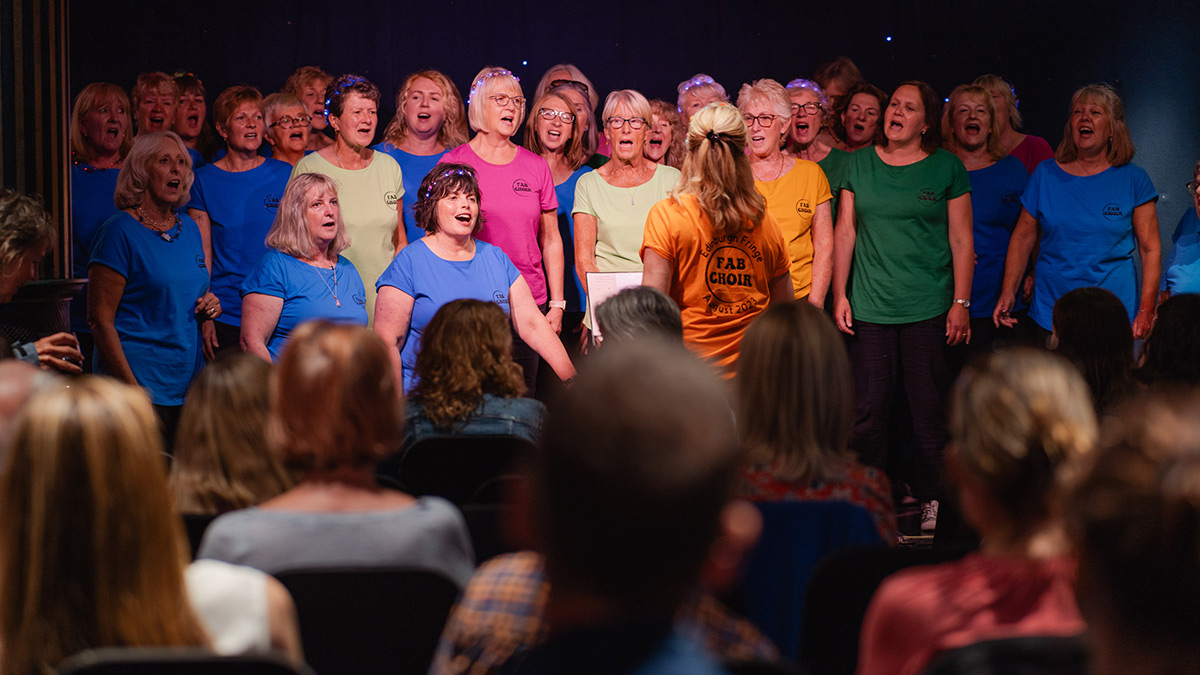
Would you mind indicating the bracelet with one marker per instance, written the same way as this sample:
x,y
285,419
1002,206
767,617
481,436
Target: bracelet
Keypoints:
x,y
558,304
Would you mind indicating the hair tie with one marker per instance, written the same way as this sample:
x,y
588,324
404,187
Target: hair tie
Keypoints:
x,y
713,136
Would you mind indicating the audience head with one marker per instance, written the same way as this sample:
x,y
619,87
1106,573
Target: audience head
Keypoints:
x,y
636,313
666,134
287,123
1096,110
1091,328
428,101
1019,421
717,170
238,116
155,97
26,234
1134,517
91,550
794,392
858,117
628,495
309,202
221,462
444,182
1004,98
308,83
334,401
698,92
466,352
100,122
492,92
18,381
554,127
147,171
969,122
1171,353
837,78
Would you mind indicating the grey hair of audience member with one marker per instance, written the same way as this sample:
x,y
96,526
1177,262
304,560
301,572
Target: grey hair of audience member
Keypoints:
x,y
637,312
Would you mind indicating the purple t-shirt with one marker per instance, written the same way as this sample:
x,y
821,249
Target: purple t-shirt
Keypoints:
x,y
514,197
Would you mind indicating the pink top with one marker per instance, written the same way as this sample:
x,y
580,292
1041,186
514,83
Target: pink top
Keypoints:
x,y
514,197
1032,151
918,613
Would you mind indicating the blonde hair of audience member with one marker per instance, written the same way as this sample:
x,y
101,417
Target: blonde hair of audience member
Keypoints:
x,y
466,352
574,151
134,178
995,149
717,171
334,400
453,131
94,96
1132,517
795,406
221,461
1020,422
1120,144
486,83
289,233
677,149
91,551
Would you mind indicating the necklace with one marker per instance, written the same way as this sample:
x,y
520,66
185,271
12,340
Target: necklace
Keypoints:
x,y
333,288
778,171
157,228
88,168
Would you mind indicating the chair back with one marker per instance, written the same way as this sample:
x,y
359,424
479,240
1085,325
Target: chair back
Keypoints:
x,y
461,469
195,524
370,620
174,661
1039,655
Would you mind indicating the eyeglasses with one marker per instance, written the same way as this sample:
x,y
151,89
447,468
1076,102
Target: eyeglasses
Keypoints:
x,y
1191,187
503,99
806,108
549,115
288,122
765,121
569,83
615,123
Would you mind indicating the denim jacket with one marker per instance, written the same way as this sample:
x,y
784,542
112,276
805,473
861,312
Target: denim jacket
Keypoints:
x,y
521,417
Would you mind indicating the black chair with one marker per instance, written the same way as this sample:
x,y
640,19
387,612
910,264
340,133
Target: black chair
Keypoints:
x,y
458,468
174,661
196,524
838,594
370,620
1040,655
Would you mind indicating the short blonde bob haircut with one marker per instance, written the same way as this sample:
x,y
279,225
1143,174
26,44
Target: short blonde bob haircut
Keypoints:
x,y
717,171
93,96
91,551
453,131
996,83
486,83
632,99
575,150
230,100
334,400
134,178
275,103
775,96
995,149
289,233
1120,144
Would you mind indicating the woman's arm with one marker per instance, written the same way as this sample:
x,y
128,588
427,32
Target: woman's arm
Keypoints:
x,y
202,222
1145,228
822,265
551,244
260,315
106,287
393,315
844,236
1020,244
400,236
585,246
962,251
533,328
656,271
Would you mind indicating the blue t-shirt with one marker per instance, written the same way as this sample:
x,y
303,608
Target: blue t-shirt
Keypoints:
x,y
197,158
241,206
1087,233
91,204
572,289
1183,266
413,169
995,206
156,318
433,282
307,293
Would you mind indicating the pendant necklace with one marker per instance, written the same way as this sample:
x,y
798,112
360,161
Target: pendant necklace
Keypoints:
x,y
154,226
333,288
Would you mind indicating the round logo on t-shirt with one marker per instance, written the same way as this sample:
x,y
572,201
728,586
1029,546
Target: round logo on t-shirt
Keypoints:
x,y
271,202
360,300
927,197
200,260
521,188
803,207
1113,211
500,297
390,198
729,276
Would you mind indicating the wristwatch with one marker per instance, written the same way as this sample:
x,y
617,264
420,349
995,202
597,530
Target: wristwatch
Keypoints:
x,y
965,302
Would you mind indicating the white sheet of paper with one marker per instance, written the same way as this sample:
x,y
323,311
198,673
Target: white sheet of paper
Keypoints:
x,y
604,285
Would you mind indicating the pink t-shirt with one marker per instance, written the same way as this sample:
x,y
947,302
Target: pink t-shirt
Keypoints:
x,y
1032,151
514,197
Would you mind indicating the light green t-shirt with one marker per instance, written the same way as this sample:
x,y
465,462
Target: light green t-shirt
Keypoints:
x,y
902,270
368,199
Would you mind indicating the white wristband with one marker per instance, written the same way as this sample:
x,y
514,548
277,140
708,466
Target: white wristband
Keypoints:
x,y
558,304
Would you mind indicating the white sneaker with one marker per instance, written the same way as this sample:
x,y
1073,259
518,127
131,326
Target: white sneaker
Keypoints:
x,y
929,513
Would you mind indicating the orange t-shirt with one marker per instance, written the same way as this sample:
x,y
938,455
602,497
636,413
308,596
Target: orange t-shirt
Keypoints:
x,y
721,284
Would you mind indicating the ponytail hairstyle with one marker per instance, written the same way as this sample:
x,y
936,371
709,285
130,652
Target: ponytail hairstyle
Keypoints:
x,y
717,171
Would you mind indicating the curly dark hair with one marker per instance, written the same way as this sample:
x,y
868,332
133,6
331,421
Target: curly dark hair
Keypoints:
x,y
445,179
466,352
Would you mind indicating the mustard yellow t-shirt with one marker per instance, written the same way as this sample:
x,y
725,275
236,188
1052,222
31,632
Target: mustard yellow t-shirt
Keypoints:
x,y
792,199
720,284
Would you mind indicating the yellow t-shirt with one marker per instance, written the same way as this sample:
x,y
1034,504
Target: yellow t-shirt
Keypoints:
x,y
792,199
721,284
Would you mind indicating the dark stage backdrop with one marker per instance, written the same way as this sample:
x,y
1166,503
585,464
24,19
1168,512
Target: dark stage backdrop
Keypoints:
x,y
1150,50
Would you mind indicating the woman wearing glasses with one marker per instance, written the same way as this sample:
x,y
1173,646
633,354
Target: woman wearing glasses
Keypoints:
x,y
287,127
1183,265
809,107
583,95
611,203
233,202
520,215
796,190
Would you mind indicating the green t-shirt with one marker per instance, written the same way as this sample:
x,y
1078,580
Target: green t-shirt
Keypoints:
x,y
902,270
835,165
